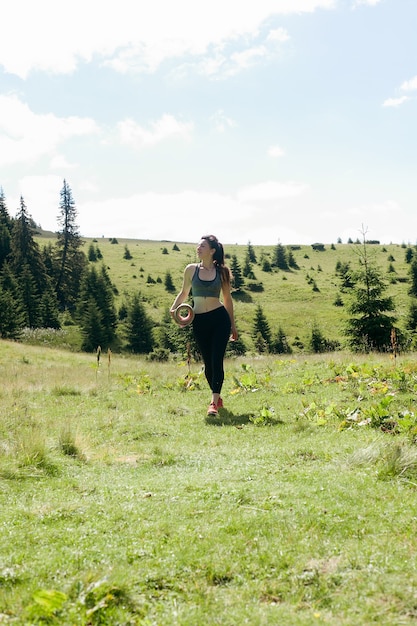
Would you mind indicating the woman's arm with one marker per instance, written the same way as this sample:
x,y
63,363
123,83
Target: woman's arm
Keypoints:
x,y
228,304
185,289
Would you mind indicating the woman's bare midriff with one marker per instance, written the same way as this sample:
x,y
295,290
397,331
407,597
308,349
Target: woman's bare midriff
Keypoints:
x,y
205,305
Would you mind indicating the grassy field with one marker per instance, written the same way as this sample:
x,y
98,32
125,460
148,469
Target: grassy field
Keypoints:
x,y
122,503
288,298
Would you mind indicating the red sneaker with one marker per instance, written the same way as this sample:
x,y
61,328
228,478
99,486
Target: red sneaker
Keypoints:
x,y
220,403
212,410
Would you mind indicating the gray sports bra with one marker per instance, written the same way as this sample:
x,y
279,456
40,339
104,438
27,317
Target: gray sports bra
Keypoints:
x,y
205,288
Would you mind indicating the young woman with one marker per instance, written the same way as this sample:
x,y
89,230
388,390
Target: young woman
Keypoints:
x,y
213,322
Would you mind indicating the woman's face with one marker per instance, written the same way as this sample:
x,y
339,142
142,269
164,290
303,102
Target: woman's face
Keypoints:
x,y
203,250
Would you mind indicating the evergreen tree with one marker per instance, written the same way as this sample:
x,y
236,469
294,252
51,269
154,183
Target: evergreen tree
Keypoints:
x,y
280,257
168,282
247,268
92,254
281,345
412,315
48,310
96,288
30,297
8,281
317,341
261,330
251,253
236,270
369,326
413,275
12,320
127,255
48,259
139,328
266,264
344,271
26,264
24,250
12,316
6,226
93,330
291,261
70,260
409,255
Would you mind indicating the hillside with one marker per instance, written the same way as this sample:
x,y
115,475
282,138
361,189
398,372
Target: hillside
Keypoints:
x,y
293,300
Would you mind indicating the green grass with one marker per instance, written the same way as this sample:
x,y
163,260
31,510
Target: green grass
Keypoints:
x,y
121,502
288,298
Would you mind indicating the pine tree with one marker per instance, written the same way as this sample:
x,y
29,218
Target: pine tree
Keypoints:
x,y
12,319
168,282
317,342
12,316
30,297
92,254
409,255
247,268
6,226
261,329
26,264
369,326
412,315
236,270
23,248
93,330
127,255
251,253
70,260
96,288
48,310
280,257
139,328
281,345
413,275
291,261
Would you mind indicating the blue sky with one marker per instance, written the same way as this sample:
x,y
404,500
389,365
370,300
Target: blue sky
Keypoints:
x,y
289,121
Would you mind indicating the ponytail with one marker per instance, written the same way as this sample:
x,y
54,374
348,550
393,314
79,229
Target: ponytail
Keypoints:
x,y
218,258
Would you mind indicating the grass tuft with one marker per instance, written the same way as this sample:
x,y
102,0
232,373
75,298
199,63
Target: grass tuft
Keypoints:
x,y
69,444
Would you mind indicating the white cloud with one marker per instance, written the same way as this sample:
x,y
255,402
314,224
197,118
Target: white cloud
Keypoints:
x,y
26,136
278,34
247,58
270,191
59,162
275,152
410,85
227,60
127,33
167,127
41,195
263,214
234,218
371,3
387,209
222,122
395,102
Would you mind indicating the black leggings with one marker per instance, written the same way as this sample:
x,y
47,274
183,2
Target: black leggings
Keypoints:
x,y
212,332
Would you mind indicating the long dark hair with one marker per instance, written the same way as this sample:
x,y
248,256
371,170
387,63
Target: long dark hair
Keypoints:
x,y
218,258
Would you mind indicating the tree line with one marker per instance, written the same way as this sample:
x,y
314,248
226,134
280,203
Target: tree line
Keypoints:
x,y
46,287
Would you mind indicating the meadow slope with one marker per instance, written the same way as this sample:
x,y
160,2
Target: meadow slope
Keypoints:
x,y
294,300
